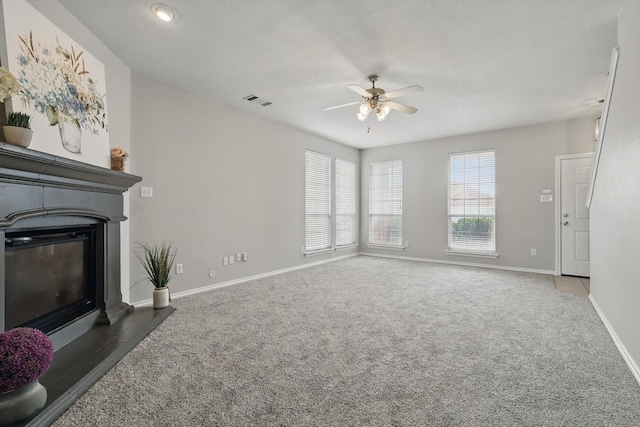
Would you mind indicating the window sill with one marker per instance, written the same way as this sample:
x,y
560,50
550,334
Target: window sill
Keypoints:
x,y
492,255
319,252
388,247
345,247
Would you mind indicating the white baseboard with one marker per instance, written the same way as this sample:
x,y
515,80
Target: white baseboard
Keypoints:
x,y
149,302
621,348
467,264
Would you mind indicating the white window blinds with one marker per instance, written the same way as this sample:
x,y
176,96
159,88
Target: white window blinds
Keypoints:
x,y
385,203
318,201
472,202
345,202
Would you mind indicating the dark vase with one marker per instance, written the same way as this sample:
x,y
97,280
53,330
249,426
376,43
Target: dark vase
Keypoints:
x,y
22,403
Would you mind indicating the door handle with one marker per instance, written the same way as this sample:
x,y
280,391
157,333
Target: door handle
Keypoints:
x,y
565,223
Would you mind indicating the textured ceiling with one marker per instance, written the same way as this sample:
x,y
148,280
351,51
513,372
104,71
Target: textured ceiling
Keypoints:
x,y
484,64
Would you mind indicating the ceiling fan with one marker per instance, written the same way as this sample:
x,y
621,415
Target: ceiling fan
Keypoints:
x,y
376,99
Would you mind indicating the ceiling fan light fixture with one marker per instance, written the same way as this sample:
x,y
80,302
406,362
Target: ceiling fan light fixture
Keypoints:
x,y
378,100
163,12
382,111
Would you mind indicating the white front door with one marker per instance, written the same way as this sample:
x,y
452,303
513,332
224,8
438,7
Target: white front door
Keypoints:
x,y
574,183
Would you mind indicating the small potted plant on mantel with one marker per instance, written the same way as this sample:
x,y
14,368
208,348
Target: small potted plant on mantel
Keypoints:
x,y
26,355
18,129
157,261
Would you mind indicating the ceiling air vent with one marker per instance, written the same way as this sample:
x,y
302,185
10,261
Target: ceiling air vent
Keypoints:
x,y
253,98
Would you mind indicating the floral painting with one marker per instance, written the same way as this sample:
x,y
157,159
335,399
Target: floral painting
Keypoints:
x,y
62,86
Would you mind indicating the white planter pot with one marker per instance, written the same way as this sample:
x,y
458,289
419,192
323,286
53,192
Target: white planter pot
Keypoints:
x,y
160,297
17,136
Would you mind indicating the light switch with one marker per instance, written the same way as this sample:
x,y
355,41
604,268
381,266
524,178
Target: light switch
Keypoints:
x,y
546,198
146,192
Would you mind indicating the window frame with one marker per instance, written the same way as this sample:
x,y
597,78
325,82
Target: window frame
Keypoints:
x,y
467,251
328,210
332,215
353,211
393,194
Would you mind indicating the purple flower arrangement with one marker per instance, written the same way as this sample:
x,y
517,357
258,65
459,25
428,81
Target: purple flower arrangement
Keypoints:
x,y
25,355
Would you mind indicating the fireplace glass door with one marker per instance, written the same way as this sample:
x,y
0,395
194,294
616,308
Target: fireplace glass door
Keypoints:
x,y
49,277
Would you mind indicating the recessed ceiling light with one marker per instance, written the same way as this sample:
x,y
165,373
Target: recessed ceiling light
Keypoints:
x,y
163,11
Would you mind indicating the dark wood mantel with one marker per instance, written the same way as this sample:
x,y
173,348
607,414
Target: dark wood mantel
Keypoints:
x,y
41,167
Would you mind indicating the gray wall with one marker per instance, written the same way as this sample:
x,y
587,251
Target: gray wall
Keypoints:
x,y
615,230
525,165
224,181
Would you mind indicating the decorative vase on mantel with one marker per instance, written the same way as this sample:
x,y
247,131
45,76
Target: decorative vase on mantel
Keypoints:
x,y
19,136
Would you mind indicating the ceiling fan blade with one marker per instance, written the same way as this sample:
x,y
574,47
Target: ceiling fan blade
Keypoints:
x,y
401,107
341,105
360,91
403,91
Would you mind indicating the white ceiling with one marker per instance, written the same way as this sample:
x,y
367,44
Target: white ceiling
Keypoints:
x,y
484,64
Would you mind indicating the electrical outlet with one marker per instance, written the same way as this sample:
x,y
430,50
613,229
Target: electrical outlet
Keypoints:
x,y
245,257
225,260
301,249
179,268
231,259
238,257
534,252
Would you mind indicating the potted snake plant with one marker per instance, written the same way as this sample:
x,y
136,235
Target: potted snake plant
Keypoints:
x,y
157,261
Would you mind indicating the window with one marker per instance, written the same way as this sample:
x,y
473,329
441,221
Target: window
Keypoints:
x,y
318,201
345,203
385,203
318,187
472,202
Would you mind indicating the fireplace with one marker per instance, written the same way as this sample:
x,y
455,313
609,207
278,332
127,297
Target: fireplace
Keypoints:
x,y
55,267
60,264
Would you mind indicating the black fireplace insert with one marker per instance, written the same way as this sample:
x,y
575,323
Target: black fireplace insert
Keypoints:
x,y
50,276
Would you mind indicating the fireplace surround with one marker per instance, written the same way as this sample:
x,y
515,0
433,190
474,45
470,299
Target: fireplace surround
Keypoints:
x,y
42,194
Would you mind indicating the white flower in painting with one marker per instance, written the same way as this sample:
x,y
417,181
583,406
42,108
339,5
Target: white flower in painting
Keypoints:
x,y
9,85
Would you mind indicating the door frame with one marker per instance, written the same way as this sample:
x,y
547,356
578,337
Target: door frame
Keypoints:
x,y
558,218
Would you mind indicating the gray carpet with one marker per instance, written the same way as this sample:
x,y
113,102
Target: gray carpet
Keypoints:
x,y
372,341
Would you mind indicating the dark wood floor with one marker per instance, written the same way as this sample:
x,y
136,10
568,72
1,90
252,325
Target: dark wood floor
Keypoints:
x,y
78,365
